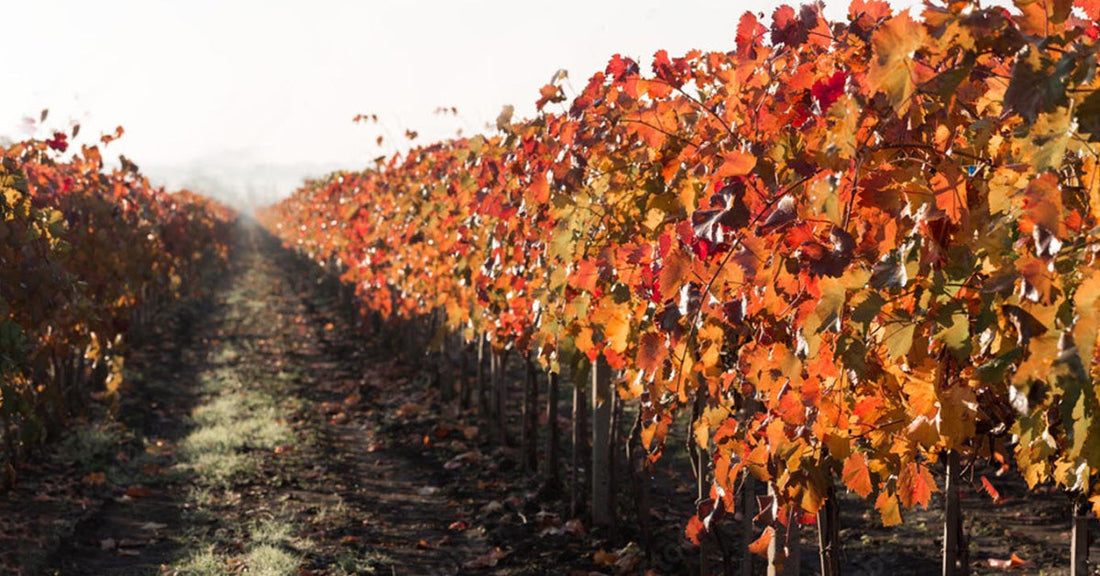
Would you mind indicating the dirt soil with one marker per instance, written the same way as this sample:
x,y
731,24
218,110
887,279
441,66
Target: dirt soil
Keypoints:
x,y
261,432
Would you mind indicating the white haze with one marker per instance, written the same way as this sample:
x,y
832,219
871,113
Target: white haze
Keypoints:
x,y
243,99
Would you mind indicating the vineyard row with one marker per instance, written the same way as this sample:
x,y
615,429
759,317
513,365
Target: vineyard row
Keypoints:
x,y
848,252
88,256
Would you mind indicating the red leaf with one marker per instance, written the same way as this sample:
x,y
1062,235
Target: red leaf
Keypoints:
x,y
989,489
665,70
59,141
749,33
619,67
828,91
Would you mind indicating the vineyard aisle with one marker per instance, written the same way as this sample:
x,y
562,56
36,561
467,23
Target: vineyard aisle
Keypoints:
x,y
280,443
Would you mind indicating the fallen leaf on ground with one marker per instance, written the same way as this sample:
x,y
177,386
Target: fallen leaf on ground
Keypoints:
x,y
989,489
604,558
94,479
138,491
574,527
1013,562
487,560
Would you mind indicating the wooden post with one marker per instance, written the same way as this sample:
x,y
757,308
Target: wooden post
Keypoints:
x,y
498,365
479,387
828,533
530,416
952,521
637,464
699,463
463,375
784,554
613,461
553,440
580,448
748,512
601,443
1079,542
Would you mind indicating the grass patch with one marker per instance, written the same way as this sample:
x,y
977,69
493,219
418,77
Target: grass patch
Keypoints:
x,y
223,469
349,564
233,429
229,429
268,560
272,533
205,563
90,447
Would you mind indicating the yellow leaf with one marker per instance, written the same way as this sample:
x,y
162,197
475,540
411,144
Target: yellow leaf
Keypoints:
x,y
1087,301
891,72
887,507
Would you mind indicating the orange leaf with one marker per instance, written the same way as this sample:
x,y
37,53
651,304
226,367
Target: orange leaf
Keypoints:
x,y
694,529
989,489
891,71
915,485
1013,562
760,545
856,475
1037,280
651,352
887,507
586,276
950,196
735,163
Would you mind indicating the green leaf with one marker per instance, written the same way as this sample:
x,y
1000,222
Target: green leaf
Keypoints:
x,y
1088,116
955,333
996,370
1045,144
899,338
867,308
1036,85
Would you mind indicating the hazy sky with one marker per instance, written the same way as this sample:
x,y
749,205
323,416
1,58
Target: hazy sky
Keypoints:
x,y
248,96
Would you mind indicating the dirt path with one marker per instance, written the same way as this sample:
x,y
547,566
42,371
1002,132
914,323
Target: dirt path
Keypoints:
x,y
265,454
262,434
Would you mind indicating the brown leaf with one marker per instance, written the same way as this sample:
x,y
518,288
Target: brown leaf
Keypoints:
x,y
487,560
138,491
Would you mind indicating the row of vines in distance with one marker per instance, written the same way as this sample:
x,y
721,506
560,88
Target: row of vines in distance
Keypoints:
x,y
849,250
87,255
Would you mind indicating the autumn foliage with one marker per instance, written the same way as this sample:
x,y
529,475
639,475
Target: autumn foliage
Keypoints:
x,y
843,247
84,253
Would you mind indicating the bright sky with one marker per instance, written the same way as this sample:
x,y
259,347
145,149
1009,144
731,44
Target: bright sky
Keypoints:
x,y
244,98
